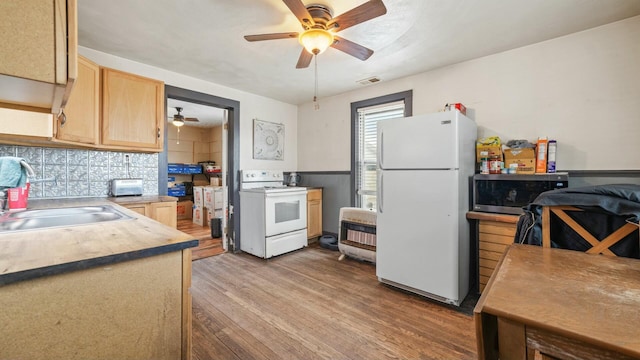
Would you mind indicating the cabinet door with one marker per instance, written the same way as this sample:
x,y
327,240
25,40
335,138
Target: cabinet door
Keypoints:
x,y
29,27
139,208
83,109
40,37
164,212
30,125
314,213
132,111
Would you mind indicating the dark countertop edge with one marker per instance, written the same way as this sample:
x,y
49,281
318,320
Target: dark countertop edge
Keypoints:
x,y
94,262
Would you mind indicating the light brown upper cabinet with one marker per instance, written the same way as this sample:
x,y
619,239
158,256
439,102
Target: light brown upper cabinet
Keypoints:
x,y
39,47
132,111
81,123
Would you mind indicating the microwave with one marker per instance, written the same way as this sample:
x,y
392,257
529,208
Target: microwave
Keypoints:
x,y
509,193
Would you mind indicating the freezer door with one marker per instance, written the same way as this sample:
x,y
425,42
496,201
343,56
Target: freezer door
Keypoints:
x,y
418,142
417,230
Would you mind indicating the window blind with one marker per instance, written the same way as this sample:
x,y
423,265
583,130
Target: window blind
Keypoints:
x,y
368,118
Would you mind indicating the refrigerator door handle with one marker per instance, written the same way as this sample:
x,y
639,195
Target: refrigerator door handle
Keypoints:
x,y
380,149
380,194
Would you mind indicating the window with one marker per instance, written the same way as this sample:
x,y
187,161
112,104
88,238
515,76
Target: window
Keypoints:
x,y
365,117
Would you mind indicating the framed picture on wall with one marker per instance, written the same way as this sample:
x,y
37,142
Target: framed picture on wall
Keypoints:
x,y
268,140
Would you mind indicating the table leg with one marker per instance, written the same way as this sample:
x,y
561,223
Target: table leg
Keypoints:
x,y
512,342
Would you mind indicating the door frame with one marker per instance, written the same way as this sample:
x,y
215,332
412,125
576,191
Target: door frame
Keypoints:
x,y
233,151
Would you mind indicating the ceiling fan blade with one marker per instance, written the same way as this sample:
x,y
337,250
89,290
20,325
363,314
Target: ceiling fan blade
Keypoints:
x,y
191,119
367,11
304,60
300,11
275,36
351,48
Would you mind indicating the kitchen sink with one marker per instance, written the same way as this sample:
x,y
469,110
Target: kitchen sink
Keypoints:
x,y
60,217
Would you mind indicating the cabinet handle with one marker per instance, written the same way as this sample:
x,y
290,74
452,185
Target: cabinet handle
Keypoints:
x,y
63,118
158,133
380,194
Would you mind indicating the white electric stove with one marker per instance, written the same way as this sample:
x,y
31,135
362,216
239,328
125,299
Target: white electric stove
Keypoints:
x,y
273,217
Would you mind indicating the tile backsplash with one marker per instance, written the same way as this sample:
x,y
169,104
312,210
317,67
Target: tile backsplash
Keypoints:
x,y
81,173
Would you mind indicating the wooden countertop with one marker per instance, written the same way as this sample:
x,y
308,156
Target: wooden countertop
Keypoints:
x,y
506,218
146,199
592,298
34,253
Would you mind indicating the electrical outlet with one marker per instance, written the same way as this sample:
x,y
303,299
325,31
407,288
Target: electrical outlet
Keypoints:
x,y
126,158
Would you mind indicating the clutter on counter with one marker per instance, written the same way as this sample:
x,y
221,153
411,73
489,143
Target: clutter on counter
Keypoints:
x,y
456,106
516,156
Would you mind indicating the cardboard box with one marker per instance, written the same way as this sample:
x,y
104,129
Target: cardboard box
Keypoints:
x,y
199,215
184,209
459,107
215,181
218,196
177,190
198,196
209,199
551,156
490,149
175,168
525,158
192,169
541,159
212,214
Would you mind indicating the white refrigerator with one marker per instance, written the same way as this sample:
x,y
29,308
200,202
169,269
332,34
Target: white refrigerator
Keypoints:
x,y
423,166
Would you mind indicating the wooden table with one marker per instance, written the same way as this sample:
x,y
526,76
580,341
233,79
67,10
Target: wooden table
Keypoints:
x,y
560,303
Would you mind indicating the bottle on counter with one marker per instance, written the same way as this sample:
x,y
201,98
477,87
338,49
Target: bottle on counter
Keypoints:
x,y
495,165
484,162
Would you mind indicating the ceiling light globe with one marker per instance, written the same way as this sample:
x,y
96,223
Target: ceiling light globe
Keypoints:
x,y
178,122
315,41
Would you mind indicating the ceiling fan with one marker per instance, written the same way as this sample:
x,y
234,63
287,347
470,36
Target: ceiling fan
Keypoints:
x,y
178,120
320,28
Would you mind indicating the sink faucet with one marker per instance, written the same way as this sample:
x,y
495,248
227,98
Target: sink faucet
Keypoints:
x,y
49,179
31,173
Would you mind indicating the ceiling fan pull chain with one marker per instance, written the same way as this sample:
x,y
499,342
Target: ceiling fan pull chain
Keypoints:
x,y
316,105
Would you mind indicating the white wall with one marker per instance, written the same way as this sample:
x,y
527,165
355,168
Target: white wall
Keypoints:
x,y
251,106
582,90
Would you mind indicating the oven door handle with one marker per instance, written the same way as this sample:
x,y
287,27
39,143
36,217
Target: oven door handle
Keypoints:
x,y
287,193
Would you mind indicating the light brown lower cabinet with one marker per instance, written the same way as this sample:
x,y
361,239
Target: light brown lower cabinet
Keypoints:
x,y
493,239
314,214
137,309
163,212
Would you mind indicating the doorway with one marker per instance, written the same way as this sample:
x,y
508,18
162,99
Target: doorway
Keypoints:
x,y
231,121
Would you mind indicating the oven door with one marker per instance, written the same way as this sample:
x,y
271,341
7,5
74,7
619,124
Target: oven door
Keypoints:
x,y
285,211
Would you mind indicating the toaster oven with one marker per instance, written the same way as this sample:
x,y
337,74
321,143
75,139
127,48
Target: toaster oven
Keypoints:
x,y
126,187
508,194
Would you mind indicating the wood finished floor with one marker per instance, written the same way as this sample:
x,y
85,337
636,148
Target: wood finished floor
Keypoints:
x,y
309,305
208,246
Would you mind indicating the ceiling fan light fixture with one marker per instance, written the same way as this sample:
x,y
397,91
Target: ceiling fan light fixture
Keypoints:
x,y
178,122
178,119
315,41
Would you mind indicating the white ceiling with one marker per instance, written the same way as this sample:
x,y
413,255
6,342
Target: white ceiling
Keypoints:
x,y
204,38
208,116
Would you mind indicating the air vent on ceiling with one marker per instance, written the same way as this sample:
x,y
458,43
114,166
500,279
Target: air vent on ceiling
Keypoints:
x,y
371,80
